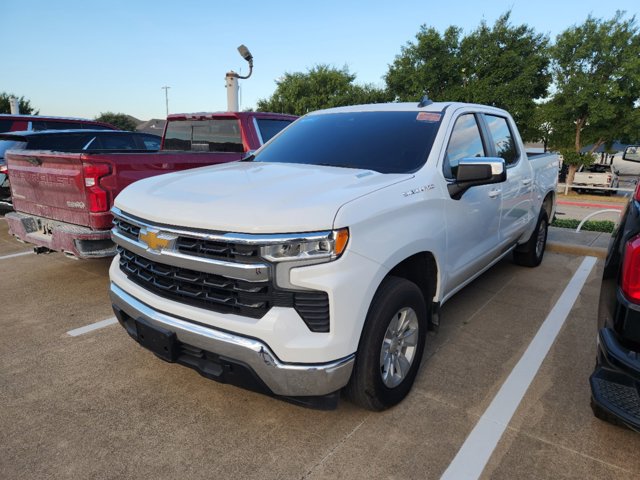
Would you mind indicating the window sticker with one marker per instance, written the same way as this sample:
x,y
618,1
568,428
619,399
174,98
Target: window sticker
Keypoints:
x,y
428,117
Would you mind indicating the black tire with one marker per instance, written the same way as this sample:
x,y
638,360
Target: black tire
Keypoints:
x,y
366,386
530,254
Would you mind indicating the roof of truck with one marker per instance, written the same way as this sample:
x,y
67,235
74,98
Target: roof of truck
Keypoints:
x,y
404,107
210,115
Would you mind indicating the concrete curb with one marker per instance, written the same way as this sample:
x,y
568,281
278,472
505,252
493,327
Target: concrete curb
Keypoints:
x,y
571,249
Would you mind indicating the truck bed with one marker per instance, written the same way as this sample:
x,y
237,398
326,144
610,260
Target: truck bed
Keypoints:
x,y
62,201
54,185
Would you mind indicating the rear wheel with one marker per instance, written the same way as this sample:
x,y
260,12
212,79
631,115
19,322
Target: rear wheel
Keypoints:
x,y
391,346
530,254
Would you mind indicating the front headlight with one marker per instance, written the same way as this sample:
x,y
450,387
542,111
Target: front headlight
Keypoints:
x,y
309,246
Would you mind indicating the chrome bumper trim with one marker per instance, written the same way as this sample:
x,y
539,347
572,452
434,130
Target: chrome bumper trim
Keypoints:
x,y
285,379
249,272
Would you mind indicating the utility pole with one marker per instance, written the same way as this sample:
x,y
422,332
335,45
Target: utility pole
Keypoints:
x,y
166,97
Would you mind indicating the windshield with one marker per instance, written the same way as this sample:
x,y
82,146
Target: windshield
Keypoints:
x,y
386,142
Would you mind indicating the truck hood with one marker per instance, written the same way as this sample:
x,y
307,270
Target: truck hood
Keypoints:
x,y
252,197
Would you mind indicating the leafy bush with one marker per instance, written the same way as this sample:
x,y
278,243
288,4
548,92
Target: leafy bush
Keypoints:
x,y
606,226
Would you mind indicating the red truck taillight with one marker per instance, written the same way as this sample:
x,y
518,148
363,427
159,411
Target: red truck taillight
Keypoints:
x,y
631,270
98,199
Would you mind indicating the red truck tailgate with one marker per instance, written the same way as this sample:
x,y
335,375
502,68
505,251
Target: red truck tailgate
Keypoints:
x,y
49,185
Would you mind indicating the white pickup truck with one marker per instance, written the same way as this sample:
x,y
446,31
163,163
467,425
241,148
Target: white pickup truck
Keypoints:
x,y
320,262
601,176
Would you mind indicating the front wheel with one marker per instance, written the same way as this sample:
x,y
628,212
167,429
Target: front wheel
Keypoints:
x,y
391,346
530,253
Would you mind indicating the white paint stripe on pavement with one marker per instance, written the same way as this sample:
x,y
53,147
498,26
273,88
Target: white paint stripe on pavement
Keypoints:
x,y
13,255
94,326
474,454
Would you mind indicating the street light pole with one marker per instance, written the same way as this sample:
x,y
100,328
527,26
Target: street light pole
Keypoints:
x,y
166,97
231,80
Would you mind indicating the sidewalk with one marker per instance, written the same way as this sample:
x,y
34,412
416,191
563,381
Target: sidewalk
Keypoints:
x,y
565,240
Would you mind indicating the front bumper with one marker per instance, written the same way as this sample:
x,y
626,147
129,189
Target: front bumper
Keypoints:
x,y
225,351
616,380
76,240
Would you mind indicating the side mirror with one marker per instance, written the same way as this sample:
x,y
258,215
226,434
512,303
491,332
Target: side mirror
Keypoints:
x,y
632,153
473,172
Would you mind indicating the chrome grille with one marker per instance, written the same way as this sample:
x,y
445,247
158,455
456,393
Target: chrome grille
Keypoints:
x,y
221,294
214,292
183,282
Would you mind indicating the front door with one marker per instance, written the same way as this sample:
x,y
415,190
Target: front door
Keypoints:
x,y
473,221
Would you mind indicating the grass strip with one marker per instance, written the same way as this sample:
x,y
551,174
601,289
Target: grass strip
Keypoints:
x,y
590,225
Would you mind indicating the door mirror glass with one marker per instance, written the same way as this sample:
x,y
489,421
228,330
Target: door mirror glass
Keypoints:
x,y
632,153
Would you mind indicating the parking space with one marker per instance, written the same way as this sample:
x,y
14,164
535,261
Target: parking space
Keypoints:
x,y
98,406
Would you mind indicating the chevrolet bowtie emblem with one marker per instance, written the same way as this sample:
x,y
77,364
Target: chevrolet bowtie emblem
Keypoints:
x,y
155,239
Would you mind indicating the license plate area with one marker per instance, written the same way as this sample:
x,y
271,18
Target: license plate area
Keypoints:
x,y
160,341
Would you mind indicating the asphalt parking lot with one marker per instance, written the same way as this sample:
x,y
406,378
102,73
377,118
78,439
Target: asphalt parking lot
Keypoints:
x,y
97,405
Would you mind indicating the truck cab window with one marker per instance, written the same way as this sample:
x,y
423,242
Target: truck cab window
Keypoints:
x,y
214,135
504,142
465,142
269,128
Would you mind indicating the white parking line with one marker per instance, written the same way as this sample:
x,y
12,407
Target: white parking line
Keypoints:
x,y
94,326
474,454
13,255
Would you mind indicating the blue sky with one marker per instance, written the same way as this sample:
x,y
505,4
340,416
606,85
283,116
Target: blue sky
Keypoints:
x,y
81,58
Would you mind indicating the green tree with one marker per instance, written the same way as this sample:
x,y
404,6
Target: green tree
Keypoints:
x,y
321,87
596,72
120,120
432,64
24,104
504,65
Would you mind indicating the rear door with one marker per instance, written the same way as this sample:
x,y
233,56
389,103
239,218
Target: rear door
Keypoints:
x,y
517,191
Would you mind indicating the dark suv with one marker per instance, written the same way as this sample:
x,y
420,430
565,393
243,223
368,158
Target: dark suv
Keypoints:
x,y
615,382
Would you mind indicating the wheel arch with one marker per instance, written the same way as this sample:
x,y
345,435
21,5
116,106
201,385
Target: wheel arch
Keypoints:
x,y
549,205
421,269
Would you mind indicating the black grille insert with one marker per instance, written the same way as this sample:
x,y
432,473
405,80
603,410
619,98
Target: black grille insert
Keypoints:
x,y
217,250
127,229
221,294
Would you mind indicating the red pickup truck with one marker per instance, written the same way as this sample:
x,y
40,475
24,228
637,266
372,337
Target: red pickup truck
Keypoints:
x,y
62,201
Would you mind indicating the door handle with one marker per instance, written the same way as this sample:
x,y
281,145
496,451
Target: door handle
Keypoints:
x,y
494,193
526,182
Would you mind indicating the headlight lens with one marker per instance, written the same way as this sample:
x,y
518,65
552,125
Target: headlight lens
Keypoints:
x,y
327,245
